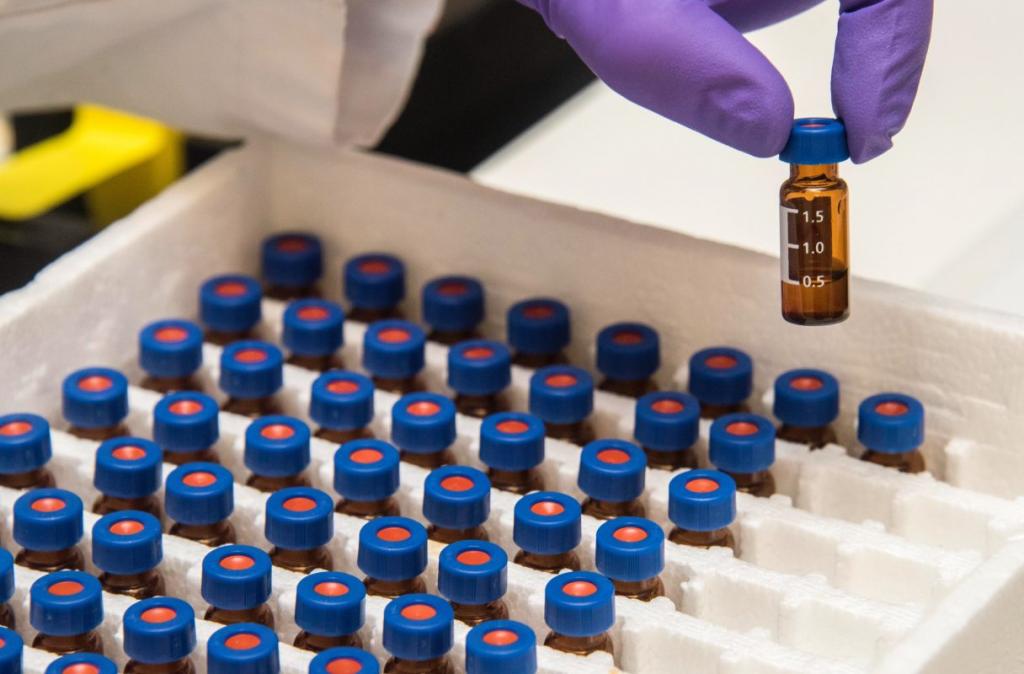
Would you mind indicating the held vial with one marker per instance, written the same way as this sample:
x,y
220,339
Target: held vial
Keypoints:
x,y
171,353
612,474
666,426
6,589
393,354
291,264
236,584
127,548
702,506
501,647
277,453
453,307
346,660
538,332
329,611
374,287
806,402
479,371
48,526
82,663
251,374
628,355
473,577
721,378
11,648
245,648
547,529
579,608
159,637
392,554
512,448
199,498
67,609
563,397
313,333
186,425
631,552
300,524
457,503
95,403
418,633
128,473
423,429
891,427
813,217
366,476
341,404
743,446
230,308
24,451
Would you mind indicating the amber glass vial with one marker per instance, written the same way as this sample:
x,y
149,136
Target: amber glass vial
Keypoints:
x,y
813,216
66,610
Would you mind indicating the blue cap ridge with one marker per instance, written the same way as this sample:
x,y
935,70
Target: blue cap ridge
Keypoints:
x,y
48,519
366,470
612,470
24,443
581,614
453,303
392,557
230,303
251,369
325,661
168,636
277,446
806,398
374,281
423,423
313,327
205,502
706,505
742,443
479,367
561,394
630,549
186,421
11,647
721,375
547,523
411,635
65,663
394,349
171,348
628,351
95,397
291,259
472,572
816,140
299,518
330,603
512,441
128,467
539,325
518,656
127,542
235,584
667,421
891,422
6,576
259,658
66,603
456,497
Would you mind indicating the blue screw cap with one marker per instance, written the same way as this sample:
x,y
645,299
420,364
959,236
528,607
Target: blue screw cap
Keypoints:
x,y
501,647
628,351
423,423
374,281
159,630
721,376
24,443
806,398
702,500
456,497
66,603
236,577
6,576
512,441
630,549
243,647
561,394
171,348
48,519
538,326
313,327
69,664
127,542
277,446
742,443
11,646
453,303
392,548
891,422
330,603
128,467
95,397
393,349
199,493
612,470
342,400
816,140
472,572
230,303
291,260
418,627
366,470
479,367
547,523
299,518
667,421
186,421
251,369
579,604
344,659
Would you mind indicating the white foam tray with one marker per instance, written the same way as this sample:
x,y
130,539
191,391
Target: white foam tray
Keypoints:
x,y
851,568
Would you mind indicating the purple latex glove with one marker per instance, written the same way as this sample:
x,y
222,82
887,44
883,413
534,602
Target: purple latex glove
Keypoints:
x,y
686,60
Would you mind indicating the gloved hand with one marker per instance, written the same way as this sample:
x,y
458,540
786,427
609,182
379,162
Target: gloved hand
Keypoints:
x,y
686,60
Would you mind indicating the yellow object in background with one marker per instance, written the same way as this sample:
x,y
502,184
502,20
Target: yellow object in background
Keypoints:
x,y
117,160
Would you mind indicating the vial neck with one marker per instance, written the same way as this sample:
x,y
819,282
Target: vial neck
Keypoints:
x,y
479,406
88,642
392,589
430,461
209,455
474,614
580,645
109,504
340,436
399,386
702,539
644,590
183,666
515,481
261,615
321,642
548,563
578,433
671,460
442,535
321,363
40,477
368,510
433,666
213,535
137,585
302,561
272,484
607,510
813,171
48,561
171,384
